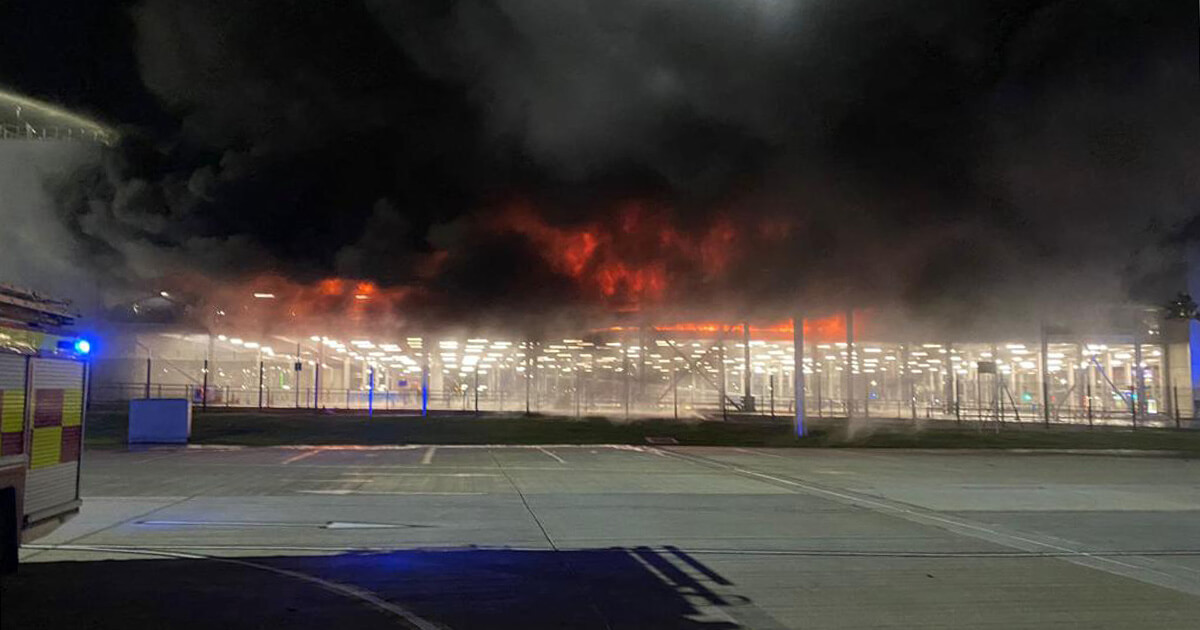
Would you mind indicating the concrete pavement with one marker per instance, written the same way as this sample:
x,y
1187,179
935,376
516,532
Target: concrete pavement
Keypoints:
x,y
624,537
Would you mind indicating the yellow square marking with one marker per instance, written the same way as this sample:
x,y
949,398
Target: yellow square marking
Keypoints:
x,y
47,447
72,408
12,416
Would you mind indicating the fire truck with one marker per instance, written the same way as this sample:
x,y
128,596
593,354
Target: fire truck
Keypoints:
x,y
43,398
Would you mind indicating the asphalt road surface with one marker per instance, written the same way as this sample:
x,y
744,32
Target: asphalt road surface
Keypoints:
x,y
618,537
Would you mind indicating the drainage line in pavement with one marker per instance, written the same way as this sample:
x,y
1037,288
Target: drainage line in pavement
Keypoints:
x,y
566,564
524,502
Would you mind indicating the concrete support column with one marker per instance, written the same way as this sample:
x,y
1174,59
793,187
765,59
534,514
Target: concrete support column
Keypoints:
x,y
640,399
748,373
798,371
1108,369
530,362
848,395
1139,378
721,366
317,374
424,377
625,394
437,380
1178,366
1044,375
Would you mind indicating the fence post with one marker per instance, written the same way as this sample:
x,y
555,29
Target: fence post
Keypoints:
x,y
1175,403
957,394
674,394
1133,405
771,391
1089,399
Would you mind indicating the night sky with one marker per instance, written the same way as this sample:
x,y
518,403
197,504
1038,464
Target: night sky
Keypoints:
x,y
531,157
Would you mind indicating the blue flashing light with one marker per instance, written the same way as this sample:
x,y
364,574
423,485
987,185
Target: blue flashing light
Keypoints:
x,y
83,346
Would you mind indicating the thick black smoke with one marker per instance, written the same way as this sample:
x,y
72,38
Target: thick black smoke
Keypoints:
x,y
954,158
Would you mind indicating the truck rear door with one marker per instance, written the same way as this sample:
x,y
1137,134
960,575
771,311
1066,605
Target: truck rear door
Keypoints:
x,y
56,395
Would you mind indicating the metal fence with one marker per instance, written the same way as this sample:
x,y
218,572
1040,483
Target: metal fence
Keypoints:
x,y
1068,383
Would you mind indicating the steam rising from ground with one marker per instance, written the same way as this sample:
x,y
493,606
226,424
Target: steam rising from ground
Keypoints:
x,y
961,161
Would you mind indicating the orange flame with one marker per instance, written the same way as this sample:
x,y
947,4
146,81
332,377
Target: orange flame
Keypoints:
x,y
824,329
628,263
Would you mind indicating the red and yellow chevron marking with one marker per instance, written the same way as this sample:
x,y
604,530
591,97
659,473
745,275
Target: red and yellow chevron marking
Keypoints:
x,y
57,426
12,422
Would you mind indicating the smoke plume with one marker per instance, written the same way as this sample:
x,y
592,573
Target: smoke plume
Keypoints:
x,y
497,160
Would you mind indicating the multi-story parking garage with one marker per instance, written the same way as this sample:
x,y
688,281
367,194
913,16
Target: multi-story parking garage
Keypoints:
x,y
691,369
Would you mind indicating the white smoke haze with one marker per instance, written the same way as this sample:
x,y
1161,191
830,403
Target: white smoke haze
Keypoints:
x,y
39,250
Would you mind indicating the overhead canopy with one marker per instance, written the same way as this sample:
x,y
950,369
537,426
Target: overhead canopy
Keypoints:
x,y
27,118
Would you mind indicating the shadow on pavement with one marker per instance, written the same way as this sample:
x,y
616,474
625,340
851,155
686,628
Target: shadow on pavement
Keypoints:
x,y
662,588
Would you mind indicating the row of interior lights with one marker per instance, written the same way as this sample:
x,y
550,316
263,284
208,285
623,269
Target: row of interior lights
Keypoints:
x,y
475,347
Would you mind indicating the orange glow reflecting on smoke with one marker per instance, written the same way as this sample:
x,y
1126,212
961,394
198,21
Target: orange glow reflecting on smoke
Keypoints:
x,y
331,286
832,328
627,262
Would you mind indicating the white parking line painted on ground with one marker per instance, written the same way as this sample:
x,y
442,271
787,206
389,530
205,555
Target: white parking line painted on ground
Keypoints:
x,y
1071,551
556,457
423,474
428,458
411,447
324,525
296,458
750,451
382,492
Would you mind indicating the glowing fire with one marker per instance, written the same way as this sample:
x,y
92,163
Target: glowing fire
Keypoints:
x,y
832,328
328,302
633,258
629,261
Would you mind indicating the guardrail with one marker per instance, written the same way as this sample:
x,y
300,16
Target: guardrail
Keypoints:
x,y
707,404
10,131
